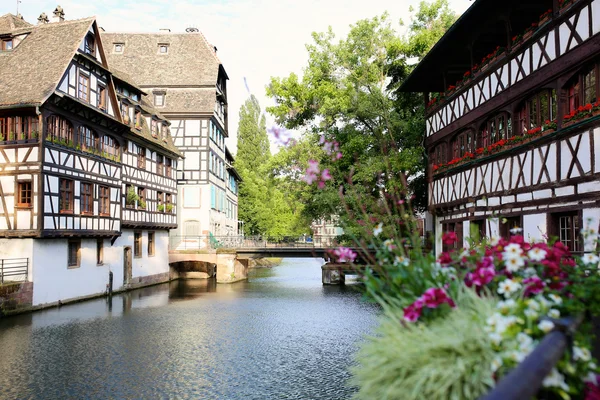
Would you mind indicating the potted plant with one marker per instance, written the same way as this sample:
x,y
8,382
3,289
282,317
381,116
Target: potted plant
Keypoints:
x,y
545,17
131,197
161,208
142,204
169,208
549,126
517,40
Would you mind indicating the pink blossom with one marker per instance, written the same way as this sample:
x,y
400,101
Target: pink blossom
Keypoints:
x,y
533,285
482,276
412,313
344,254
321,185
322,139
313,167
434,297
325,175
449,238
309,178
338,155
282,135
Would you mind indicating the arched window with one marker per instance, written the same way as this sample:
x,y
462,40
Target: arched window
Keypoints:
x,y
438,155
494,129
58,128
110,146
87,139
538,109
583,89
462,143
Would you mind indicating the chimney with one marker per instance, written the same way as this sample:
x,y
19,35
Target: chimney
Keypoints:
x,y
43,19
165,30
215,47
59,14
191,29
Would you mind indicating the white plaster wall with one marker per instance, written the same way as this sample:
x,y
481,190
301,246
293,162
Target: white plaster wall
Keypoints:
x,y
466,233
53,280
591,219
146,265
534,227
493,227
438,236
17,248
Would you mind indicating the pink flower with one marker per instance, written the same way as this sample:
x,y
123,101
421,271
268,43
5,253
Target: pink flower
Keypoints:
x,y
321,185
449,238
412,312
344,254
325,175
434,297
282,135
338,155
533,285
313,167
482,276
309,177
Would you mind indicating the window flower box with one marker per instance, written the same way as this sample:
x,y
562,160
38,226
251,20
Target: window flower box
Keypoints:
x,y
545,17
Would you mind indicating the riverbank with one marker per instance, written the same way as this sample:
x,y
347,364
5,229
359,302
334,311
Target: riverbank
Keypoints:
x,y
268,262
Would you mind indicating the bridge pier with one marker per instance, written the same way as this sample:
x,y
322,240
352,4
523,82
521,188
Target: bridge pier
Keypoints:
x,y
230,268
333,274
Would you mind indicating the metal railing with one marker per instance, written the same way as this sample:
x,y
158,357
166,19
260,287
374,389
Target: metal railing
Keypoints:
x,y
211,242
525,381
14,270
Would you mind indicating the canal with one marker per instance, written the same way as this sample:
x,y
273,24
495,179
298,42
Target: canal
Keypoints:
x,y
279,335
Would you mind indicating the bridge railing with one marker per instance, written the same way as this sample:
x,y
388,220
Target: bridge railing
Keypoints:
x,y
14,270
211,242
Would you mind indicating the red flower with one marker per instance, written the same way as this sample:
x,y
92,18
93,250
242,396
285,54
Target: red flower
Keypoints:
x,y
449,238
466,74
479,150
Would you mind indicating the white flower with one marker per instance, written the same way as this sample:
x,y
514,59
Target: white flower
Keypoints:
x,y
514,264
555,379
496,364
506,305
494,241
590,259
389,244
556,299
508,287
536,254
531,314
544,302
554,313
546,326
495,338
580,353
401,260
518,356
525,342
533,305
516,230
377,231
513,250
591,378
529,272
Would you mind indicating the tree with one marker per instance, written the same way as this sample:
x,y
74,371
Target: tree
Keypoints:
x,y
253,142
349,94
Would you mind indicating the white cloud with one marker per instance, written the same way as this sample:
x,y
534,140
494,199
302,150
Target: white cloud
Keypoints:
x,y
256,39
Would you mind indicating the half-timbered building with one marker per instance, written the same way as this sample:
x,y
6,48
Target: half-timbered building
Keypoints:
x,y
67,146
512,127
187,83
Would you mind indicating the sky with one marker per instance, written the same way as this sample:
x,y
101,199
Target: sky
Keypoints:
x,y
256,39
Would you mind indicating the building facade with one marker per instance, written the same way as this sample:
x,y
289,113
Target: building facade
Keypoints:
x,y
77,142
187,83
513,143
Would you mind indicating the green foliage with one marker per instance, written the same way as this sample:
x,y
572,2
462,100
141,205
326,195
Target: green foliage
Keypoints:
x,y
169,208
131,197
161,208
448,358
349,94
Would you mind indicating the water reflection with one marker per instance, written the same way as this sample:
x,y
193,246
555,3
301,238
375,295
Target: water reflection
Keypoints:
x,y
279,335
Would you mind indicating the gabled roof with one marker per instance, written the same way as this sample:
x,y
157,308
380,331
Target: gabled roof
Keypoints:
x,y
190,100
10,22
30,73
145,133
190,60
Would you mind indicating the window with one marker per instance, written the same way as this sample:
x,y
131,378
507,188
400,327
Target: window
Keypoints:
x,y
104,200
129,196
110,147
537,110
159,99
74,249
163,132
163,48
137,244
160,164
167,167
58,129
160,198
153,128
168,204
497,128
6,44
24,194
511,226
87,139
90,45
590,89
566,227
100,251
83,89
142,197
462,144
477,229
66,196
141,162
138,120
87,203
102,98
119,47
150,243
456,227
583,89
18,128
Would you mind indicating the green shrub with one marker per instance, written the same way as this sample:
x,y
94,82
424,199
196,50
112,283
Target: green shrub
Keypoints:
x,y
447,358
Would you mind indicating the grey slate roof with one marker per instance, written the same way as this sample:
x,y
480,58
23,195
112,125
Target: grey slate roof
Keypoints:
x,y
190,59
30,73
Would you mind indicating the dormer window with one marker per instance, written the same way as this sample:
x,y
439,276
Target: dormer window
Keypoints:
x,y
138,120
90,45
163,48
153,128
119,47
102,97
6,44
159,99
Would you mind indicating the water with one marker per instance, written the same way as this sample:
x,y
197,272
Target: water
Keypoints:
x,y
280,335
